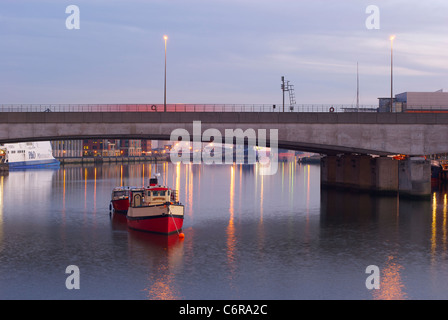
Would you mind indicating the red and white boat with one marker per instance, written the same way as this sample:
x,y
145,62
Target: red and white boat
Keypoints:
x,y
155,209
120,199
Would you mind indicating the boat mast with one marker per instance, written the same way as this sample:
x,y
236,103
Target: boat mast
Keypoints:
x,y
357,86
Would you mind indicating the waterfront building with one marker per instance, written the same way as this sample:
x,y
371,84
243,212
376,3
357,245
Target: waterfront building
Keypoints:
x,y
416,102
111,148
67,148
130,148
146,146
92,147
428,101
100,148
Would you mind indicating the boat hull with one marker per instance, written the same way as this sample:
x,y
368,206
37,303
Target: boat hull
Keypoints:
x,y
50,163
121,205
161,219
158,224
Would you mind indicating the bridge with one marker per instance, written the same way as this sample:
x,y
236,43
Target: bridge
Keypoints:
x,y
324,132
357,135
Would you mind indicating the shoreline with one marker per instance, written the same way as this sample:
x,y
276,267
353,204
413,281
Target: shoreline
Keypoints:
x,y
83,160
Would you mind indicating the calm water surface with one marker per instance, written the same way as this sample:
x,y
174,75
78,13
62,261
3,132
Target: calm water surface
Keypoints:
x,y
247,236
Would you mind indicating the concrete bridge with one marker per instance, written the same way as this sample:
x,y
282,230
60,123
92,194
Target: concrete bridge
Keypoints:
x,y
357,136
326,133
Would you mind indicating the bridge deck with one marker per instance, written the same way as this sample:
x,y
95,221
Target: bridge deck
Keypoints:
x,y
224,117
329,133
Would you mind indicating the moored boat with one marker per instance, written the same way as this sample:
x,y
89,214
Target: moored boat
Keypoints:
x,y
436,169
444,165
28,155
444,171
155,209
120,199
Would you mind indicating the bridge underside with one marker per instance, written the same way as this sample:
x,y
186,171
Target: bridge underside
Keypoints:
x,y
300,146
326,133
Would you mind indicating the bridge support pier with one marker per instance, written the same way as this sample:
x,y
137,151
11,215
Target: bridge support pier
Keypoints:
x,y
415,177
409,177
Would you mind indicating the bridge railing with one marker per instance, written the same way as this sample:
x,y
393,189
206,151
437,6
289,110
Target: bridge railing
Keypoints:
x,y
183,108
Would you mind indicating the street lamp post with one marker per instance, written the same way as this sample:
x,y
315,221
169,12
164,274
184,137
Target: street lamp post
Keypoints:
x,y
391,71
164,95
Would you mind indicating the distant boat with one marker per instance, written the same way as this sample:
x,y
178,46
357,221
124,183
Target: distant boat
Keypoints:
x,y
312,159
436,169
26,155
284,155
439,169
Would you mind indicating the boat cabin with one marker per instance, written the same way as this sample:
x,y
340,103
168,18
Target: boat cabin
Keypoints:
x,y
153,196
120,193
158,195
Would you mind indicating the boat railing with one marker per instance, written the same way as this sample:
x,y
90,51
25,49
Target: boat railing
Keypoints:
x,y
180,107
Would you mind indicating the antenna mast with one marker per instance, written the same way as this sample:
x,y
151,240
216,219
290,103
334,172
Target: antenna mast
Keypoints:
x,y
357,86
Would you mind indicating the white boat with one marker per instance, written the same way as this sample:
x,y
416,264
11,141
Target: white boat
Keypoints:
x,y
26,155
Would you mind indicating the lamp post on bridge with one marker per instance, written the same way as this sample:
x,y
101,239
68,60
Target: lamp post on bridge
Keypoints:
x,y
392,38
165,37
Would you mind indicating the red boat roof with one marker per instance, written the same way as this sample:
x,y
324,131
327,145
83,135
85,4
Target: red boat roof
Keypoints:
x,y
158,188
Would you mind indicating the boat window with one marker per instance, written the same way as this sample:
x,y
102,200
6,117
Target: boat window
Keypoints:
x,y
155,193
120,193
169,192
162,193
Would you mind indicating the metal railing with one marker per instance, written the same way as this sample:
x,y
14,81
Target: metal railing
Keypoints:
x,y
183,108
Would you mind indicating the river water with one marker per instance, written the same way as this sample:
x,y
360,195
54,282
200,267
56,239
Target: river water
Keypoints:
x,y
247,236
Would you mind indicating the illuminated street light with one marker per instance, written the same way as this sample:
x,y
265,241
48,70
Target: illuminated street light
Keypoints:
x,y
165,37
392,38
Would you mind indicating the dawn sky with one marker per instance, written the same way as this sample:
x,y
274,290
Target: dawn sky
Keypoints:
x,y
219,51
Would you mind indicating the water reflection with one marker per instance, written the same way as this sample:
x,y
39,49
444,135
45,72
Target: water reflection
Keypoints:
x,y
247,236
2,179
439,226
164,256
444,226
391,285
231,238
119,222
398,234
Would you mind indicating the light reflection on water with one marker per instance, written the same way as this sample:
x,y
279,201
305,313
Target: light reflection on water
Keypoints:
x,y
247,237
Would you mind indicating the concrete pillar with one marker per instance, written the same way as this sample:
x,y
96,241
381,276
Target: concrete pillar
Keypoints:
x,y
366,180
339,180
328,170
415,177
358,172
350,169
386,175
410,177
